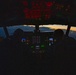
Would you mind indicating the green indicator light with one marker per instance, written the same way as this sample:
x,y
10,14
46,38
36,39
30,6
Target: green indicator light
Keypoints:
x,y
42,46
32,46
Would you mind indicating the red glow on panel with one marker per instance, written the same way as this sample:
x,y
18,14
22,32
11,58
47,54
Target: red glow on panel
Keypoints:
x,y
37,10
49,4
42,9
32,14
36,5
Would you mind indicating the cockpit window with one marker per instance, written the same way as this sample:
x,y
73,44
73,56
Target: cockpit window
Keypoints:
x,y
2,33
25,28
51,28
72,32
42,28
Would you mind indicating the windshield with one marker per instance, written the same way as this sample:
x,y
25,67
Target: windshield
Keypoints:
x,y
43,28
2,33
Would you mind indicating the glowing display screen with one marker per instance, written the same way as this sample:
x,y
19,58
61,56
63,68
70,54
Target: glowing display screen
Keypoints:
x,y
23,40
50,39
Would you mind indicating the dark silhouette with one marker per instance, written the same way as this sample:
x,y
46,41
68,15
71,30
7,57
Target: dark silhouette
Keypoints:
x,y
18,34
58,35
13,51
64,53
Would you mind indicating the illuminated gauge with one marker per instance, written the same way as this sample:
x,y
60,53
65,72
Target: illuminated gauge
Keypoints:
x,y
23,40
50,39
37,47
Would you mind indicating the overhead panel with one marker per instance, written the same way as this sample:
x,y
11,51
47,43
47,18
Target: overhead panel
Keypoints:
x,y
17,12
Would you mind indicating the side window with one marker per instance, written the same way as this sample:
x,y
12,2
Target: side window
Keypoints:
x,y
72,32
2,33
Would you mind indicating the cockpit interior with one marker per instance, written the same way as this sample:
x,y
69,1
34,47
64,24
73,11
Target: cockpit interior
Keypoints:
x,y
36,52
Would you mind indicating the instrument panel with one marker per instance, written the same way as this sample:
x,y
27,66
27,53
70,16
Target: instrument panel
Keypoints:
x,y
38,42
